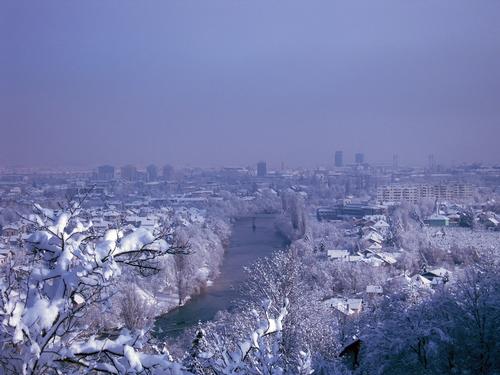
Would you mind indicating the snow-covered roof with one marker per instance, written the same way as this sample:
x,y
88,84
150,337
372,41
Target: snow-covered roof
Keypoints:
x,y
133,218
374,289
439,272
387,257
374,246
334,302
345,305
355,258
373,236
493,221
337,254
381,224
421,280
374,218
355,303
437,217
11,226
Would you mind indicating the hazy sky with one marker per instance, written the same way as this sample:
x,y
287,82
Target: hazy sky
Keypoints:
x,y
230,82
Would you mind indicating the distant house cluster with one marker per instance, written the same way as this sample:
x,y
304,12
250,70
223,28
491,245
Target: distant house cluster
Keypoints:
x,y
454,215
373,232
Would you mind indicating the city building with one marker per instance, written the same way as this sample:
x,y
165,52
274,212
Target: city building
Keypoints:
x,y
261,169
432,162
152,172
105,172
359,158
348,211
339,158
436,220
395,162
415,192
168,172
128,172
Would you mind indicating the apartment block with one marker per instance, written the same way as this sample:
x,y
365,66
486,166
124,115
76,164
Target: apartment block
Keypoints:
x,y
415,192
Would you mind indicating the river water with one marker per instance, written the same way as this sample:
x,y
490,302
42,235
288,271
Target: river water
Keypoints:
x,y
250,240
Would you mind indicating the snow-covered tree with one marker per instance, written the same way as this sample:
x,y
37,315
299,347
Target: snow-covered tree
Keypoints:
x,y
73,269
258,353
452,330
309,323
293,221
135,310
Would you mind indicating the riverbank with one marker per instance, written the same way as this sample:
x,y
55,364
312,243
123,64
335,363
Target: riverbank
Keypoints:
x,y
167,302
250,240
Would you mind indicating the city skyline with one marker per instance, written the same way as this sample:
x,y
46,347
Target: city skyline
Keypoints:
x,y
271,165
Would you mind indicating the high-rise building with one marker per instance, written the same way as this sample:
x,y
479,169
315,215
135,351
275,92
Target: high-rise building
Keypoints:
x,y
152,172
395,161
359,158
432,163
128,172
339,158
261,169
105,172
168,172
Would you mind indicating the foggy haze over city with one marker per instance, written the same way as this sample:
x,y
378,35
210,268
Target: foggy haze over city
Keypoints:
x,y
219,83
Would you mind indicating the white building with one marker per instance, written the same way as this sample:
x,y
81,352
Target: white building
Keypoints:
x,y
415,192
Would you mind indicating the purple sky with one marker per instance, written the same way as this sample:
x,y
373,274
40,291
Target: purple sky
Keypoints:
x,y
230,82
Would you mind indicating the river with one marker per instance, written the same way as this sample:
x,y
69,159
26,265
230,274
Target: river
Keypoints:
x,y
248,243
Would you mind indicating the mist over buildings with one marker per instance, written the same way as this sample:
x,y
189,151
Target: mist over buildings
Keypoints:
x,y
234,82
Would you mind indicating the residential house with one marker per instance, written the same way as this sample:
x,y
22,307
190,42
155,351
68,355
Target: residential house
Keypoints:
x,y
437,275
347,306
437,220
374,289
337,254
10,230
4,255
